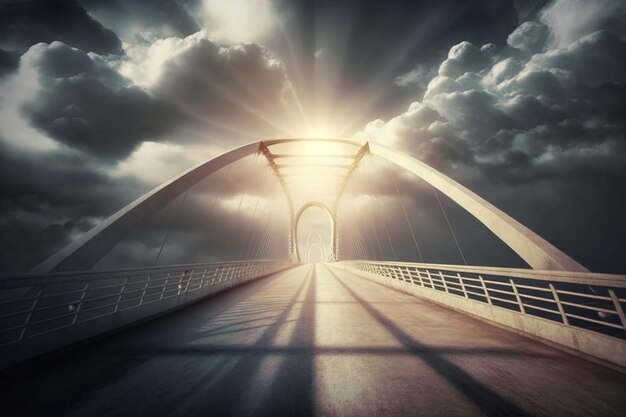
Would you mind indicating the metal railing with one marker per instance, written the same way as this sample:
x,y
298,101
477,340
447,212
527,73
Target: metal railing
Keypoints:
x,y
589,301
43,312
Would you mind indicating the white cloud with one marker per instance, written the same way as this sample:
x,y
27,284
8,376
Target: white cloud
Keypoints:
x,y
145,61
18,89
529,37
171,160
235,21
573,19
418,77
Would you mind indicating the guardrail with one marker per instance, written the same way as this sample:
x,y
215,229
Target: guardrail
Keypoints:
x,y
579,310
40,313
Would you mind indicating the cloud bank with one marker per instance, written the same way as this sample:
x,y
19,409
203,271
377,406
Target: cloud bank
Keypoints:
x,y
542,115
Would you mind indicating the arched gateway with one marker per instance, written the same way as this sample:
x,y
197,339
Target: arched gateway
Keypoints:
x,y
333,226
84,252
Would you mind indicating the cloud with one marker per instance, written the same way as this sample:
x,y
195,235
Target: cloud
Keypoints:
x,y
594,60
418,78
570,20
79,139
532,118
25,23
526,116
463,58
86,105
236,21
50,198
226,92
135,20
529,37
199,90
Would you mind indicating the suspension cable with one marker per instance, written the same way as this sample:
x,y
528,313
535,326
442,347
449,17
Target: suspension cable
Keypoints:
x,y
357,239
230,236
248,231
368,235
406,217
382,218
267,235
449,225
171,226
218,191
255,234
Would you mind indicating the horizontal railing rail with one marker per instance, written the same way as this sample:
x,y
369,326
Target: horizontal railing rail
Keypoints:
x,y
581,301
39,313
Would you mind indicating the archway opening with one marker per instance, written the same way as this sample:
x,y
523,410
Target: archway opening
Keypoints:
x,y
314,233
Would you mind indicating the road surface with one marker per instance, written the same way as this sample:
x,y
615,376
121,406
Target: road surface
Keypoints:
x,y
313,340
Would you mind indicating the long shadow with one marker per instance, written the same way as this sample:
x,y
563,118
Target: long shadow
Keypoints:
x,y
489,401
242,329
236,350
63,379
292,392
225,394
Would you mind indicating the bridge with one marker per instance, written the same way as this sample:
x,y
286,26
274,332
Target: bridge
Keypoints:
x,y
358,334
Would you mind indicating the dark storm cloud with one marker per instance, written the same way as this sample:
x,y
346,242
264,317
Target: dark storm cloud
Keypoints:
x,y
376,52
9,61
531,118
532,126
86,105
389,39
47,199
225,92
207,89
132,17
25,23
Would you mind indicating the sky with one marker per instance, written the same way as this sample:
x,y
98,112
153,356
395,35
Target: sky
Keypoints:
x,y
521,101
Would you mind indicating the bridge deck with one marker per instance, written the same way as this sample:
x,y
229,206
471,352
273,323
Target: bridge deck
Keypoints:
x,y
312,341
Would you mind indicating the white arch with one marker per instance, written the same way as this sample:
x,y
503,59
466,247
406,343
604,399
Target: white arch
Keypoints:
x,y
84,252
531,247
308,243
308,252
331,216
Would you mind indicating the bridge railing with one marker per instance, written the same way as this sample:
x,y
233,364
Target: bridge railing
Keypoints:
x,y
579,310
39,313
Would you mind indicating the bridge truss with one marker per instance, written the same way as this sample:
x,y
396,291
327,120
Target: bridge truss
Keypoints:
x,y
62,302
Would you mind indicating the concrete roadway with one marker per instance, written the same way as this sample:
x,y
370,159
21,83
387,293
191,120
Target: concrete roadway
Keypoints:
x,y
312,340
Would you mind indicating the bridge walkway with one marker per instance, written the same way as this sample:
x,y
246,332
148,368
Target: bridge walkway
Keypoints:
x,y
312,340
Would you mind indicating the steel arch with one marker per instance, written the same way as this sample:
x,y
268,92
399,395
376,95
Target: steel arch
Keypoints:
x,y
333,235
84,252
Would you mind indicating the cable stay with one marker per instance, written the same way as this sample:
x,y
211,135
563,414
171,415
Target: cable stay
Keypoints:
x,y
406,216
456,242
170,227
382,217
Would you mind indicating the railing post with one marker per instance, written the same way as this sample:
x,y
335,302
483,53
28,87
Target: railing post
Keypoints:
x,y
145,288
404,276
482,281
462,284
30,314
167,280
432,285
558,304
517,297
443,280
80,302
119,297
618,308
419,277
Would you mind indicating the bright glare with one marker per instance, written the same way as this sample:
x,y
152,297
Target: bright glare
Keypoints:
x,y
239,20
